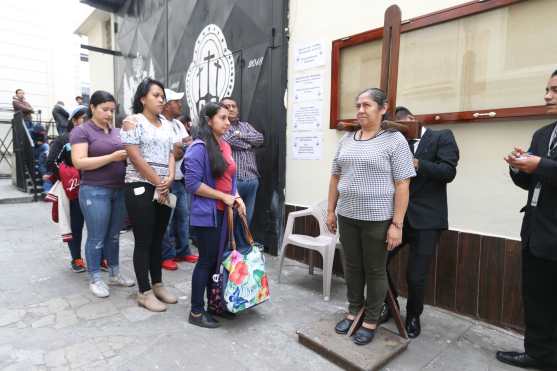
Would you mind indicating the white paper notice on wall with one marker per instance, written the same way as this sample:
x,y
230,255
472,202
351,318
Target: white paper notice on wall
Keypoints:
x,y
307,116
309,55
306,146
308,87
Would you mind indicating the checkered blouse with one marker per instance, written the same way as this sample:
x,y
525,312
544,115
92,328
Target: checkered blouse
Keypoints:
x,y
368,170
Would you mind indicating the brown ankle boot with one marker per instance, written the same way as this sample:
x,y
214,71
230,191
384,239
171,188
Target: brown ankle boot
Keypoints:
x,y
163,294
149,301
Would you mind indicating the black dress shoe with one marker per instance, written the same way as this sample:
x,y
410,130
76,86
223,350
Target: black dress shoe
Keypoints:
x,y
225,314
413,327
385,314
203,320
519,359
343,326
363,336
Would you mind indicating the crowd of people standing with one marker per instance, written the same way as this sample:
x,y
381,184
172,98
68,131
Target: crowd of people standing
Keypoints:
x,y
151,173
385,192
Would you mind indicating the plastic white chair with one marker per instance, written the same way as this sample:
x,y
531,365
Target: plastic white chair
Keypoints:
x,y
326,243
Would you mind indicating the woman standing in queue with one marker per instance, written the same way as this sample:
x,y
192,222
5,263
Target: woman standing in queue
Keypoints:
x,y
60,153
210,176
149,140
369,189
98,152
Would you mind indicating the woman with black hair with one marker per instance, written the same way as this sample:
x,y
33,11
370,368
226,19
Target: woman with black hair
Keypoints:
x,y
98,152
369,189
210,176
60,153
149,140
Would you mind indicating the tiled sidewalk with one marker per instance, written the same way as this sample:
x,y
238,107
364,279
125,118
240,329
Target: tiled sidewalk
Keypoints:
x,y
49,319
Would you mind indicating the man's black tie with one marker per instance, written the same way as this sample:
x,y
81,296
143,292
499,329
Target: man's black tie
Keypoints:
x,y
553,144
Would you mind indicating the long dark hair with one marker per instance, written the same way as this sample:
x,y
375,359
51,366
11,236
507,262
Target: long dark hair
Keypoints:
x,y
99,97
141,91
205,133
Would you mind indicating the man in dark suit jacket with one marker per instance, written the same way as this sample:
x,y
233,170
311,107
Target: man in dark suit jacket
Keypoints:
x,y
536,172
60,116
435,159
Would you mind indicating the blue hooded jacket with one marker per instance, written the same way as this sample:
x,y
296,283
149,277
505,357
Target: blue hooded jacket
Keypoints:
x,y
197,169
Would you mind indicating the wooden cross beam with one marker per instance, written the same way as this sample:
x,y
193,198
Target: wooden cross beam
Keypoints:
x,y
389,58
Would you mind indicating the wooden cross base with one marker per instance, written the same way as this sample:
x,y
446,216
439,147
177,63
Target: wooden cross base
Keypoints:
x,y
394,311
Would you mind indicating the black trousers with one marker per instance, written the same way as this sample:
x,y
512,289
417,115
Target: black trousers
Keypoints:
x,y
149,220
539,292
422,245
208,239
76,224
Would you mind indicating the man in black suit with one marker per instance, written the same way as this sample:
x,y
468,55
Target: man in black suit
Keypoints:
x,y
435,159
536,172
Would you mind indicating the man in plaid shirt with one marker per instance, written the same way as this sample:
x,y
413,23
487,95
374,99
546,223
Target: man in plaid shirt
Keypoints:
x,y
243,139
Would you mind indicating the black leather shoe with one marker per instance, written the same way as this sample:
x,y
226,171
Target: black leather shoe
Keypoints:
x,y
413,327
363,336
519,360
385,314
204,320
225,315
343,326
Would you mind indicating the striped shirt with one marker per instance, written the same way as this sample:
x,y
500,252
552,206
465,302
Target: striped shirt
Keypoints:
x,y
243,138
368,170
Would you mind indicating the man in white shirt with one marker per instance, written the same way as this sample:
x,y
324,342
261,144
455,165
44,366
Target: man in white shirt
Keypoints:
x,y
175,243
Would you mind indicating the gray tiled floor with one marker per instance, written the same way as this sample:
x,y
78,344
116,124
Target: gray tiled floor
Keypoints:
x,y
49,320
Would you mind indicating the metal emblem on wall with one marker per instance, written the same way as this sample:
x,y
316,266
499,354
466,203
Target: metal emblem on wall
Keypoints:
x,y
211,73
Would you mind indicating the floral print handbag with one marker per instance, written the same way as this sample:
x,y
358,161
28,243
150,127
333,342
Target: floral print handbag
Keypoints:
x,y
247,284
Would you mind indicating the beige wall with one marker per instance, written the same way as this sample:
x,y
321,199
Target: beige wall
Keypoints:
x,y
38,55
101,65
482,198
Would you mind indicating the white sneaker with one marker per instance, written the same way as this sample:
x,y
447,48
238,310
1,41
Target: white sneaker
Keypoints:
x,y
99,289
120,280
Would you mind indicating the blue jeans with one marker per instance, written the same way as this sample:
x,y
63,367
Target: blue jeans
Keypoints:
x,y
41,155
104,210
176,238
247,189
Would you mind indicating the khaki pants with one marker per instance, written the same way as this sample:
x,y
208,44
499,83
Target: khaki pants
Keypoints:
x,y
365,253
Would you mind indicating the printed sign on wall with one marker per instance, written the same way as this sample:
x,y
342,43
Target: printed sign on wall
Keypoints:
x,y
306,146
309,55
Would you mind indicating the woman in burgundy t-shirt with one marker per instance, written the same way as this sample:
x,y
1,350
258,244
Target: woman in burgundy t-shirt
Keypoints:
x,y
98,152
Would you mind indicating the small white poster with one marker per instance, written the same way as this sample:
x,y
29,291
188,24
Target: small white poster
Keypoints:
x,y
309,55
308,87
307,116
306,146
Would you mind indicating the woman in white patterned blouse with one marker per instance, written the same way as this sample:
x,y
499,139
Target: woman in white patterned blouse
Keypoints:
x,y
149,139
369,189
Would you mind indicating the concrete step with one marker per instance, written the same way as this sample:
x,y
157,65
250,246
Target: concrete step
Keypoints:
x,y
9,194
